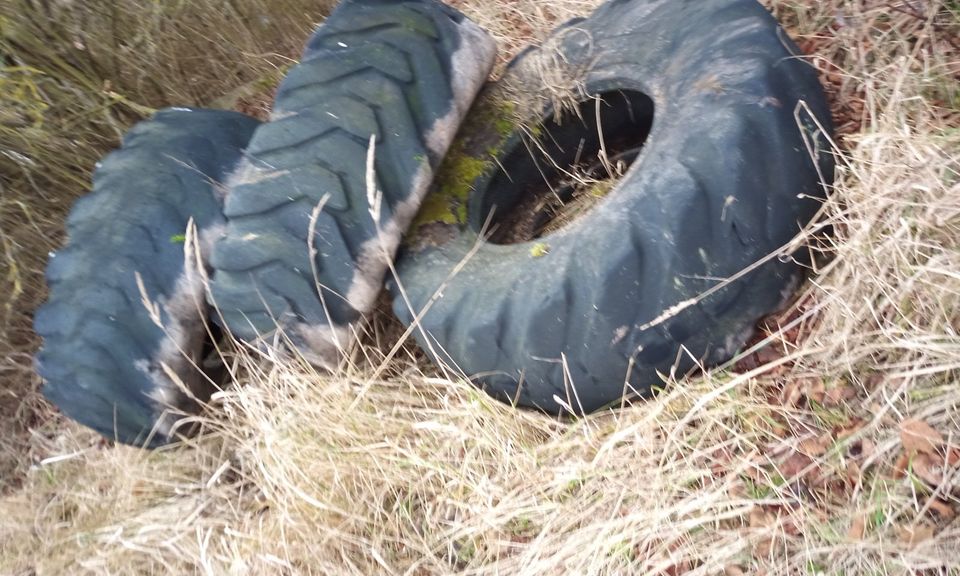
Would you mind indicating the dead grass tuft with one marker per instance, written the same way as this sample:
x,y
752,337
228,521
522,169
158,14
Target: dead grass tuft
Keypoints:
x,y
831,446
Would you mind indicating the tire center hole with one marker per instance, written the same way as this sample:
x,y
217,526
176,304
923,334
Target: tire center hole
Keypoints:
x,y
567,167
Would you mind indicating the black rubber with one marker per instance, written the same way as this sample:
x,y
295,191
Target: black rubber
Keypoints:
x,y
703,96
102,351
402,71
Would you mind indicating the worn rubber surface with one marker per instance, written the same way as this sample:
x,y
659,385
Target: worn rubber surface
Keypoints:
x,y
103,354
404,72
605,305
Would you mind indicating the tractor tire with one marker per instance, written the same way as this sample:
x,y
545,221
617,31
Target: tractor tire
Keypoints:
x,y
124,320
726,128
307,244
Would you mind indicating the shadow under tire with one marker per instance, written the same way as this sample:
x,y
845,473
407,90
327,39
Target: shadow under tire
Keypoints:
x,y
107,360
724,129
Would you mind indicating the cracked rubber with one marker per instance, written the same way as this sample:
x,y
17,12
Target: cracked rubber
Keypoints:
x,y
102,352
405,72
574,320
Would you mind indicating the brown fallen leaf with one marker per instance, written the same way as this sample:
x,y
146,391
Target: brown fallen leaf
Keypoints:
x,y
953,457
762,357
913,535
857,528
918,436
816,390
795,464
928,468
791,524
770,523
763,547
721,462
737,489
761,517
839,395
797,393
677,569
792,395
830,485
873,381
792,335
943,512
818,446
769,355
900,466
849,428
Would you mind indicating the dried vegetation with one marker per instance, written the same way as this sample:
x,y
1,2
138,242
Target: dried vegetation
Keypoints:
x,y
831,446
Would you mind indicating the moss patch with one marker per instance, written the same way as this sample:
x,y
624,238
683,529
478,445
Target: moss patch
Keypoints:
x,y
471,156
447,201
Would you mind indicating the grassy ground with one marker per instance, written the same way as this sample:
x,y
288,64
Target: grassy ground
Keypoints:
x,y
832,446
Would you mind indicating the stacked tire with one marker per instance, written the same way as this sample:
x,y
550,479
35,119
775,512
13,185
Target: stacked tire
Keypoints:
x,y
287,226
726,127
719,127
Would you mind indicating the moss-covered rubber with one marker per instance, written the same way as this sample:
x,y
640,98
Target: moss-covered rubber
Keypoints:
x,y
311,230
123,327
720,126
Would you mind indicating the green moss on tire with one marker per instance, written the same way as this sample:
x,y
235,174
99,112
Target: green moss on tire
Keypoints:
x,y
467,161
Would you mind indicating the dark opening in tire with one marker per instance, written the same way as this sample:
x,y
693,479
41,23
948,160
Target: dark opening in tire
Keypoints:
x,y
673,268
568,167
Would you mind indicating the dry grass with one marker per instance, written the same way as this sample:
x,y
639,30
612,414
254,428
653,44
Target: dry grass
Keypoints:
x,y
831,447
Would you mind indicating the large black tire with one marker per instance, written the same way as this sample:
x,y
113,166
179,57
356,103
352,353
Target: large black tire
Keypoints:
x,y
405,72
573,320
105,361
